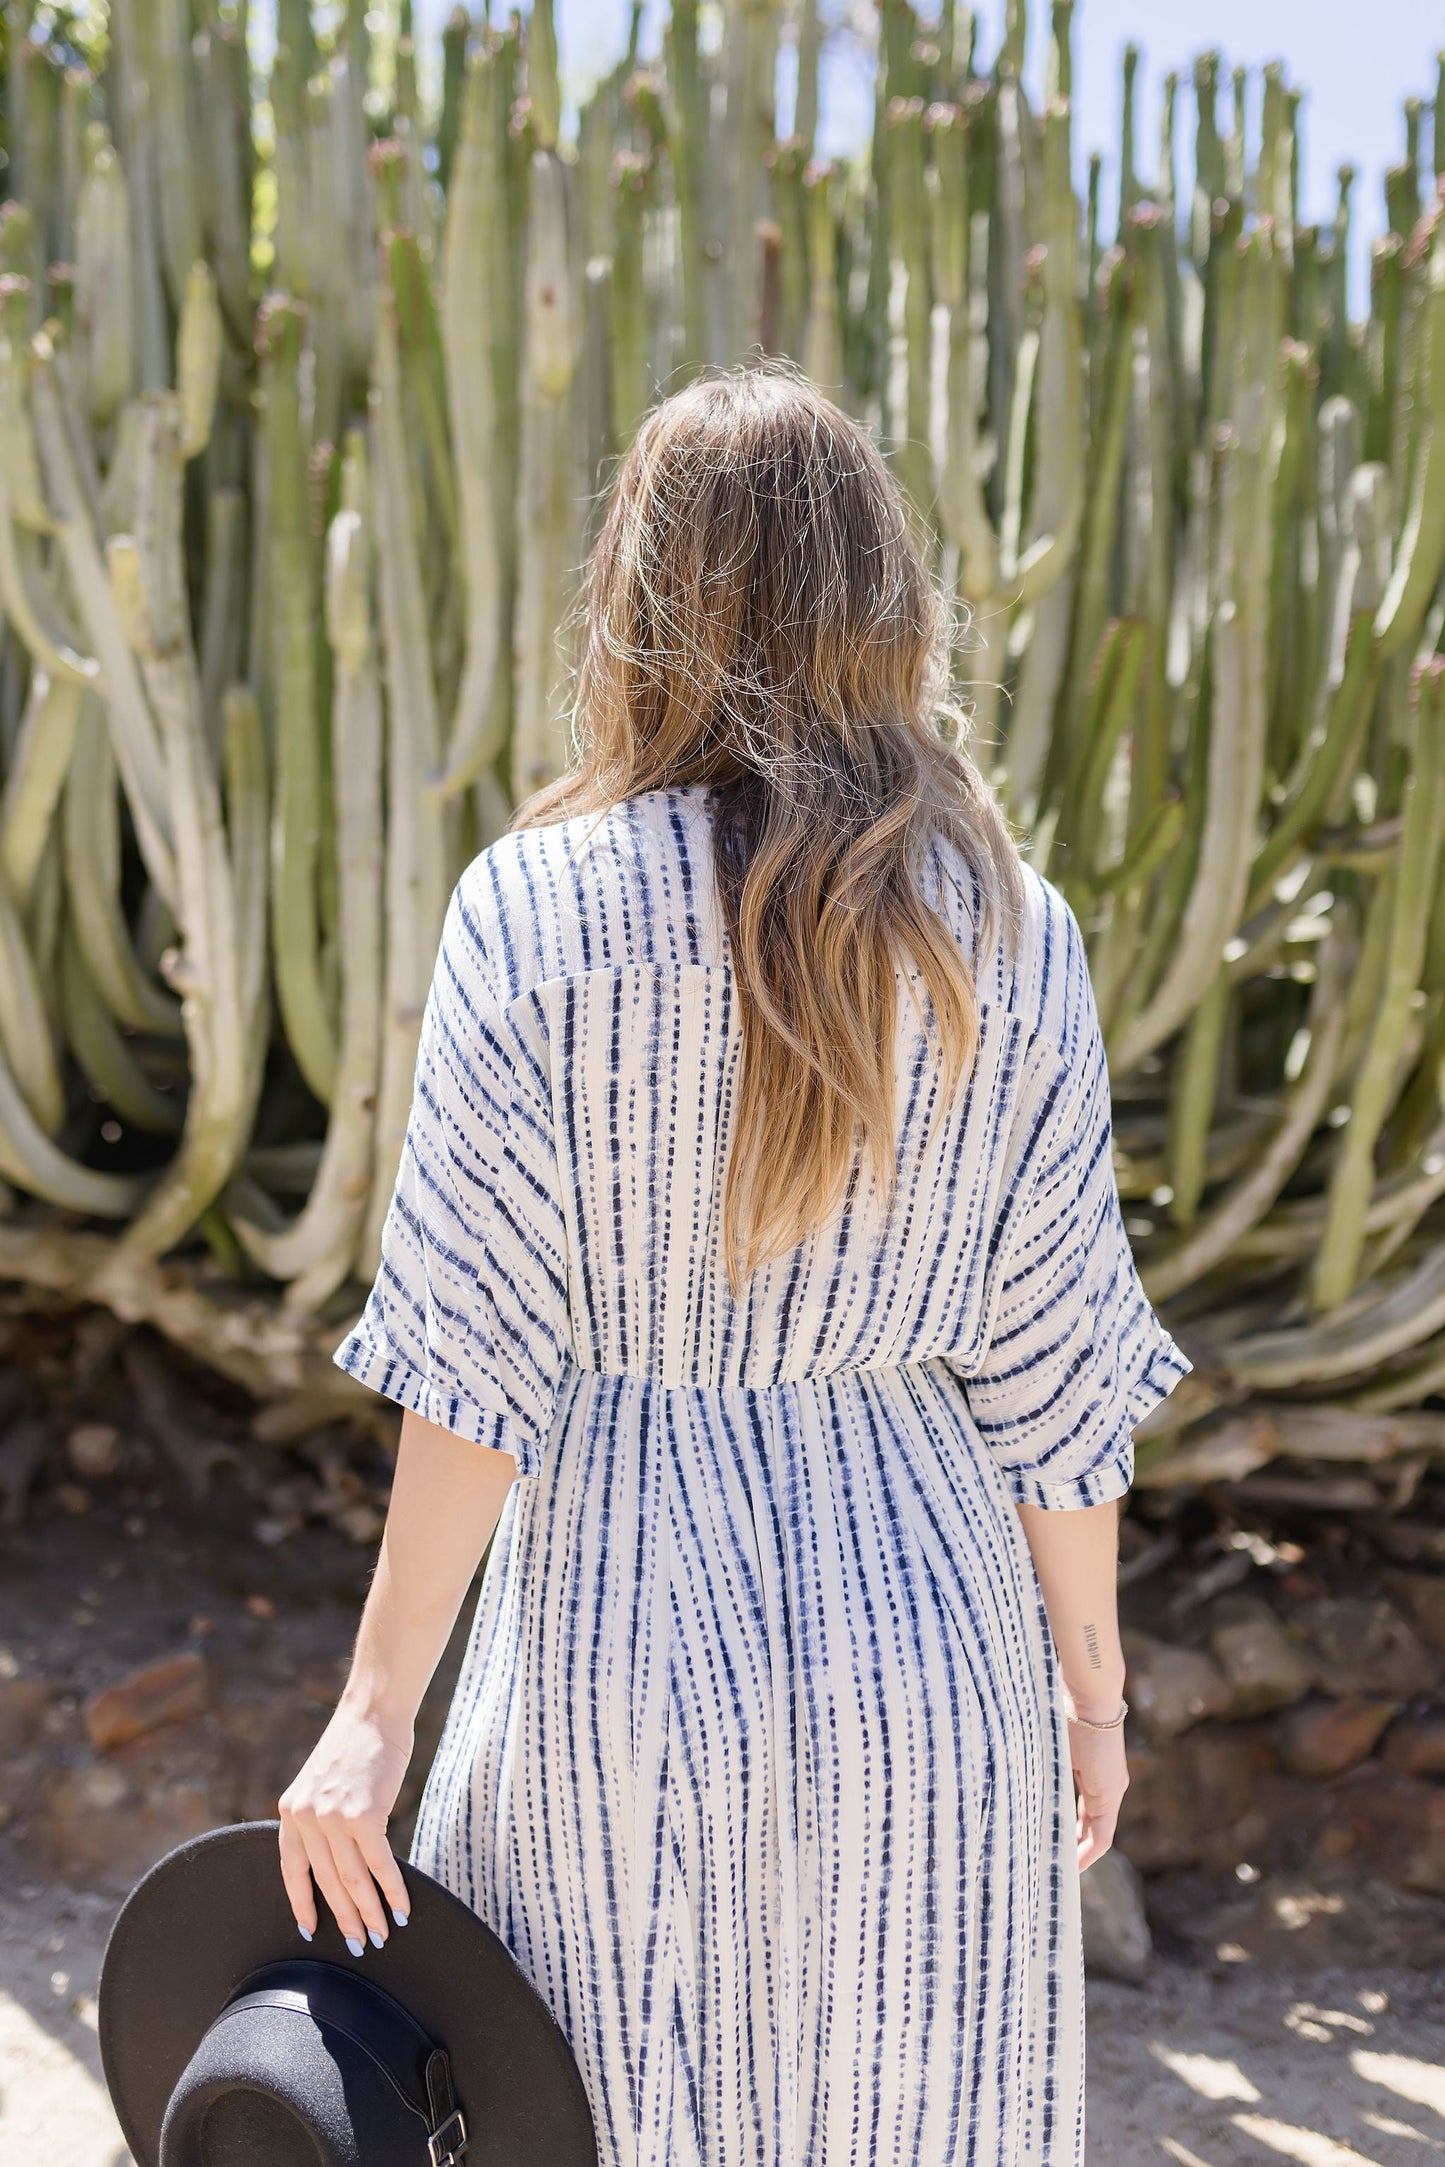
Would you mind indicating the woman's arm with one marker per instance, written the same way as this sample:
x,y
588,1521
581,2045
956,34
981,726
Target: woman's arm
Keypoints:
x,y
1076,1554
446,1499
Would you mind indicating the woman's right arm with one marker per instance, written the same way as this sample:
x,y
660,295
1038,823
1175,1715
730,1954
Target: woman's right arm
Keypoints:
x,y
447,1497
1076,1555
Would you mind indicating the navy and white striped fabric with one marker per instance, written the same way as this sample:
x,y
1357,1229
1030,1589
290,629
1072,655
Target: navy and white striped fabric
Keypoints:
x,y
758,1760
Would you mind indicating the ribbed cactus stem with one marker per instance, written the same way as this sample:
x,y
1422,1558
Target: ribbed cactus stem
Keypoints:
x,y
1194,1085
822,353
542,84
475,286
1128,175
418,875
688,147
296,835
93,868
1209,181
104,1053
631,186
455,33
198,359
810,46
19,462
317,1251
790,215
549,503
1413,880
424,370
962,510
29,1046
226,169
39,765
1239,714
33,1163
209,968
904,125
133,727
1244,1202
1421,555
103,300
166,42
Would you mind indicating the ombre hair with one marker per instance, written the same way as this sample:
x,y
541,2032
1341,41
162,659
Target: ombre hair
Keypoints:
x,y
757,616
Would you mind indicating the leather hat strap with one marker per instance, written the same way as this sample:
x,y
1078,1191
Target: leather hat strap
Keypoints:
x,y
447,2137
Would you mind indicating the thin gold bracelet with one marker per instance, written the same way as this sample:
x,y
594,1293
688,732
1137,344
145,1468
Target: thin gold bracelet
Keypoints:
x,y
1112,1724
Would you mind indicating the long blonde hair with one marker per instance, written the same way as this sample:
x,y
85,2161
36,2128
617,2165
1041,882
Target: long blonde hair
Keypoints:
x,y
757,616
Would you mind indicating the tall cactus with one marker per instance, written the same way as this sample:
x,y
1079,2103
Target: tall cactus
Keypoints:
x,y
301,438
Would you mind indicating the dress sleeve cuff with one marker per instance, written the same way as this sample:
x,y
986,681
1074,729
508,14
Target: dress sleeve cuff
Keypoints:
x,y
1113,1473
379,1367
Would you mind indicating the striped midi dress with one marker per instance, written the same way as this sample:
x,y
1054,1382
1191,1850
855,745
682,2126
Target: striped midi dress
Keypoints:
x,y
757,1760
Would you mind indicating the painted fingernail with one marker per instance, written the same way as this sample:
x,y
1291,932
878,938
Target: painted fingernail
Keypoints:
x,y
357,1948
402,1918
378,1941
304,1932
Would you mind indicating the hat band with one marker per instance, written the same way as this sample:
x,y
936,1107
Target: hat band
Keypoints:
x,y
410,2075
371,2023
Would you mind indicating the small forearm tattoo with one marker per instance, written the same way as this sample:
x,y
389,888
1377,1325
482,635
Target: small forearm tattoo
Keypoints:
x,y
1091,1643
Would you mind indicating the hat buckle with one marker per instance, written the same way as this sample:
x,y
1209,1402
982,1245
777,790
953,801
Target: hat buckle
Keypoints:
x,y
448,2141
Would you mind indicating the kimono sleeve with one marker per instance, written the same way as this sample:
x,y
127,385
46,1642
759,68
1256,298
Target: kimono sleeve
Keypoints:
x,y
1076,1356
467,1322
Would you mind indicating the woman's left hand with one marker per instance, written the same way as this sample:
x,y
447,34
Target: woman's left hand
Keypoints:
x,y
1101,1771
334,1818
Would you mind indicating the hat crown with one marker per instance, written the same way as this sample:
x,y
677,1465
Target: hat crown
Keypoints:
x,y
306,2065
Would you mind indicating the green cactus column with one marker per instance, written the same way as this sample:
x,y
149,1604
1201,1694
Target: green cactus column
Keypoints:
x,y
549,500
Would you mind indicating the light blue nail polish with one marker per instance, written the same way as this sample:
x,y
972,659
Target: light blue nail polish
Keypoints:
x,y
304,1932
378,1941
402,1918
357,1948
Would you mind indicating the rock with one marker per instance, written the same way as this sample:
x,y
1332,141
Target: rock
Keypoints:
x,y
1362,1645
1265,1665
1190,1797
1422,1598
111,1820
1415,1745
23,1702
1116,1932
176,1687
93,1450
1323,1737
1392,1823
1169,1688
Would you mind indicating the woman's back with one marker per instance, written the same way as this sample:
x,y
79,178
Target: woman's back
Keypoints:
x,y
584,1048
759,1760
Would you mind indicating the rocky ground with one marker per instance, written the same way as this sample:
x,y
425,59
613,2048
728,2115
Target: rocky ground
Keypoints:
x,y
1266,1942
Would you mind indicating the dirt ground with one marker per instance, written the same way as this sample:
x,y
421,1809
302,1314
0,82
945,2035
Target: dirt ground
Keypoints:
x,y
1292,2010
1226,2068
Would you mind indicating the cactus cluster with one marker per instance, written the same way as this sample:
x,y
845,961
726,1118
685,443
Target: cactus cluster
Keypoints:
x,y
300,450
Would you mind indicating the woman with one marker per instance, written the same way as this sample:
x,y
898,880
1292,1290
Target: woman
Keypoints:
x,y
756,1281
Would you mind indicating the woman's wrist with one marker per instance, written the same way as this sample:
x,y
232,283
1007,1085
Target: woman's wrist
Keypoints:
x,y
370,1699
1095,1703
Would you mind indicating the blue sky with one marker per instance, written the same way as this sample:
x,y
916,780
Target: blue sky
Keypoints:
x,y
1356,65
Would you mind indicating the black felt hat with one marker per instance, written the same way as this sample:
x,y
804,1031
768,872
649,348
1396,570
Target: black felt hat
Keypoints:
x,y
228,2042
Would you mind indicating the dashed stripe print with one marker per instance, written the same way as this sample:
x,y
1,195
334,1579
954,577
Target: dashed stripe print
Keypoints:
x,y
757,1760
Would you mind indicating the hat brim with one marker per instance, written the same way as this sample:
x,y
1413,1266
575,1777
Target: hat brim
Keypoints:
x,y
215,1910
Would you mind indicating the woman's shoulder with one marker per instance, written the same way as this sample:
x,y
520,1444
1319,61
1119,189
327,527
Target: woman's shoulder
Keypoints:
x,y
593,890
1035,969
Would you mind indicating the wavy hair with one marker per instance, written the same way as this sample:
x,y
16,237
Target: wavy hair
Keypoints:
x,y
757,616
